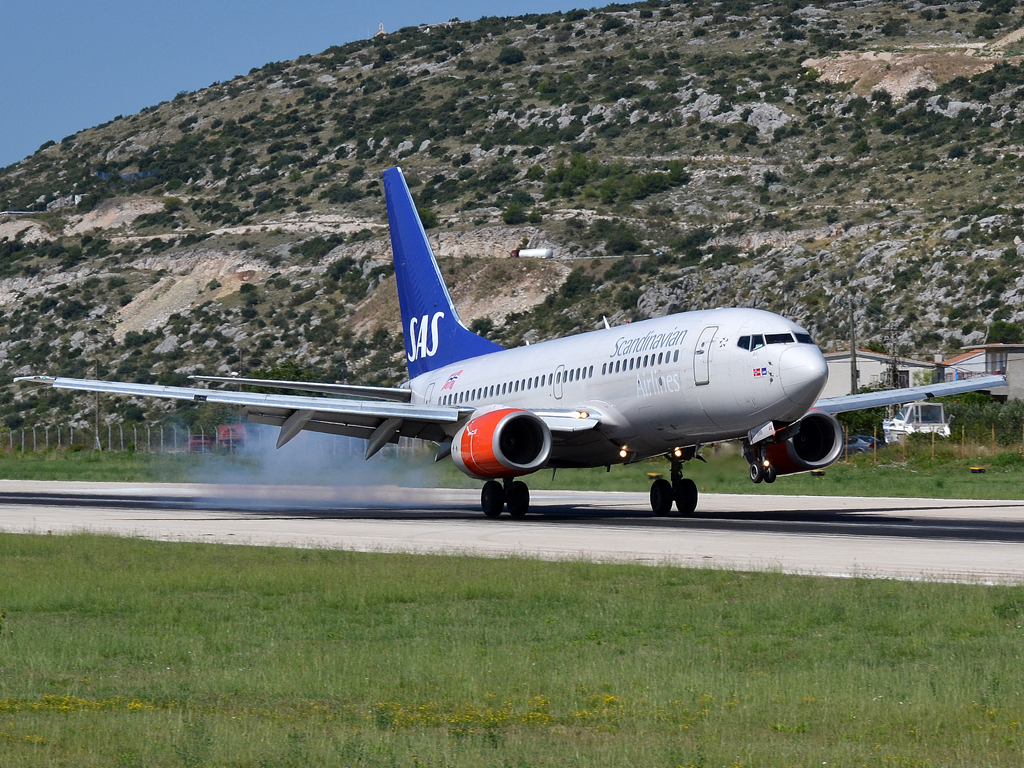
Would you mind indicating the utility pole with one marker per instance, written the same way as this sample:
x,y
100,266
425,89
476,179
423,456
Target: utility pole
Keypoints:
x,y
894,364
853,351
894,360
96,440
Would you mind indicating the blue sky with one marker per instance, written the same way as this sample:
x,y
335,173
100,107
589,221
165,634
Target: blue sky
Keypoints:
x,y
65,66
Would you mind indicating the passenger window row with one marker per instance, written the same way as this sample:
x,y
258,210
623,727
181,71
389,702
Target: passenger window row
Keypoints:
x,y
757,341
521,385
640,362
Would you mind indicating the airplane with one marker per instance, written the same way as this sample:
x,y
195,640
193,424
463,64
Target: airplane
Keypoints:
x,y
656,388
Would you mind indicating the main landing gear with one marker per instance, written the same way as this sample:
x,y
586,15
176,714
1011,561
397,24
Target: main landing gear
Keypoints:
x,y
514,494
682,491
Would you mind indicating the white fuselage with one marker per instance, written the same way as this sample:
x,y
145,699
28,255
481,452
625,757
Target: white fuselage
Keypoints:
x,y
656,385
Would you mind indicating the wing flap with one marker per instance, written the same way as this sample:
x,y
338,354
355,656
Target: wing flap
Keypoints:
x,y
351,390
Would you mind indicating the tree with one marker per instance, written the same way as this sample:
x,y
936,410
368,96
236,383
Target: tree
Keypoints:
x,y
427,217
482,326
986,27
576,284
509,56
515,213
894,28
1003,332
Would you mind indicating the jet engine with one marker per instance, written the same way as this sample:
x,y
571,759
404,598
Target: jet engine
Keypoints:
x,y
506,442
816,442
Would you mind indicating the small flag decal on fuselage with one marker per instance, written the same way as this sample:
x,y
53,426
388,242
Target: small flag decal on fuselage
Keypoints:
x,y
450,384
760,372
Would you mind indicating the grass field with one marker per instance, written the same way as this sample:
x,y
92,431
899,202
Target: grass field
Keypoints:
x,y
133,653
916,476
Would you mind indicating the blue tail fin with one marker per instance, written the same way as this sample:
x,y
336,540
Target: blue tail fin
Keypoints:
x,y
434,335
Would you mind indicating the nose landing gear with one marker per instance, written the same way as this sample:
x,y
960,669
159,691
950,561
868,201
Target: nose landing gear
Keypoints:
x,y
762,470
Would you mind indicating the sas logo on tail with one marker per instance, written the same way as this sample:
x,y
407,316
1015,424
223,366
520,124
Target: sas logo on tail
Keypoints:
x,y
423,336
758,372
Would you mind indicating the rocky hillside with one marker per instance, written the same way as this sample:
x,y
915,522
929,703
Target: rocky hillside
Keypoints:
x,y
785,155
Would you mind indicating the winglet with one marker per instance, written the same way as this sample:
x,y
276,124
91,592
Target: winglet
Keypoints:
x,y
35,379
434,335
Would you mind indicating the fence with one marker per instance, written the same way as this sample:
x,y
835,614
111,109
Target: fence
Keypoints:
x,y
173,438
968,442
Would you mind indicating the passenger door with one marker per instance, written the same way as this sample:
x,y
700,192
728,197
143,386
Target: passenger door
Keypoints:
x,y
559,375
702,356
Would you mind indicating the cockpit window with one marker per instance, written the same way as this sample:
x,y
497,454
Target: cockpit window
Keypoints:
x,y
779,338
803,338
756,341
743,342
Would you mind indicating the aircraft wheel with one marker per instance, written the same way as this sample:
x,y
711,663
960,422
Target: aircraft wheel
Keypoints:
x,y
686,497
770,474
756,473
492,498
661,496
518,499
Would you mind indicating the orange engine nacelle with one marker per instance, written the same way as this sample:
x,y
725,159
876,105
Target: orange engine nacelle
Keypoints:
x,y
502,443
817,444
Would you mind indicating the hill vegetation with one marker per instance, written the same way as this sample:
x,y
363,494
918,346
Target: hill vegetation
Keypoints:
x,y
785,155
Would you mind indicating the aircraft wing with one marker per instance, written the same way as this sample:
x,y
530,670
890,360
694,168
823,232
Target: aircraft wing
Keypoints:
x,y
376,421
906,395
351,390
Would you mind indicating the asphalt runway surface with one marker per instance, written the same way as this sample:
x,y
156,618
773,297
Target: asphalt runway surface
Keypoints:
x,y
928,539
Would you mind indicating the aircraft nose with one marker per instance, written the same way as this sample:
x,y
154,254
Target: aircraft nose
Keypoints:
x,y
803,372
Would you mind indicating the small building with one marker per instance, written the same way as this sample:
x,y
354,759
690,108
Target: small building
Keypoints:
x,y
1006,359
873,371
964,366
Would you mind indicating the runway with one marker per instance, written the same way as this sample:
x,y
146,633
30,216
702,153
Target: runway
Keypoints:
x,y
930,539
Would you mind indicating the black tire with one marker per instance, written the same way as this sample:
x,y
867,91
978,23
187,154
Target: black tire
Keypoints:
x,y
686,497
518,500
756,473
492,498
661,497
770,474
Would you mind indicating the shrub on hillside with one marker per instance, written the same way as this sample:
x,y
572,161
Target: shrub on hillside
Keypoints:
x,y
509,56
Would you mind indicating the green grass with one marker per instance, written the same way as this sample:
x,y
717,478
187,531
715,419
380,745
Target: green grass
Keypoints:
x,y
947,476
132,653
